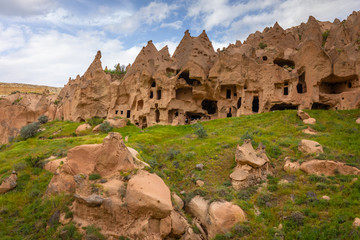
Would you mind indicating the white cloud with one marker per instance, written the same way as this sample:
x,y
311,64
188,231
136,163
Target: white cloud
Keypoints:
x,y
175,25
146,16
50,58
11,38
25,7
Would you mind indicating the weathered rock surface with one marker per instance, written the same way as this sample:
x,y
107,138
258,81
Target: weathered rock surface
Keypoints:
x,y
309,131
178,202
9,183
328,168
310,121
147,194
117,122
310,147
54,165
356,222
252,165
82,127
303,115
291,167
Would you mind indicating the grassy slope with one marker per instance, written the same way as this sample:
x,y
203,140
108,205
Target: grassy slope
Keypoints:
x,y
173,153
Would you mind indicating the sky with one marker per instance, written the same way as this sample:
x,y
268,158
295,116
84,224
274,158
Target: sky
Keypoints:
x,y
47,41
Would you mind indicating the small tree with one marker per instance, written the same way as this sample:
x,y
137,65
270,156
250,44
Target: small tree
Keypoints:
x,y
105,127
200,130
30,130
43,119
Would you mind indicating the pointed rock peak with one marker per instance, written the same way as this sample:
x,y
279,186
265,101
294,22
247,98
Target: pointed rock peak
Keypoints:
x,y
150,46
98,55
164,50
277,27
187,33
95,66
312,20
337,21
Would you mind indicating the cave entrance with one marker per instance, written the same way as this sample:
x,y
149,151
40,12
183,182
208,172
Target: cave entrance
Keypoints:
x,y
140,105
190,116
301,86
151,95
157,115
159,94
284,62
128,113
209,105
322,106
255,104
239,103
152,83
116,112
186,76
172,114
335,85
228,93
229,114
283,106
286,91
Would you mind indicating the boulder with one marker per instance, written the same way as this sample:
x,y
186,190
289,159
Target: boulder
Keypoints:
x,y
358,120
246,154
310,147
82,127
190,235
309,131
199,183
198,207
61,182
117,122
199,166
222,217
54,165
310,121
303,115
96,129
9,183
291,167
148,194
178,202
327,198
93,200
239,174
178,224
356,222
328,168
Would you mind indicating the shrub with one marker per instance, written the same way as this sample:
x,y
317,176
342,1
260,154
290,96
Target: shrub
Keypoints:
x,y
94,121
70,232
200,130
246,135
262,45
94,176
30,130
36,162
93,233
172,153
325,36
105,127
43,119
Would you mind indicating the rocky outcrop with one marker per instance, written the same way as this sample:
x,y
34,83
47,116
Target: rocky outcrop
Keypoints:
x,y
310,147
252,165
328,168
9,183
10,88
217,217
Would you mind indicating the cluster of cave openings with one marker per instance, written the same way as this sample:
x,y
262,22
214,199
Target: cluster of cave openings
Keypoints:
x,y
209,105
255,104
322,106
336,85
172,114
157,115
284,62
186,76
140,105
283,106
301,86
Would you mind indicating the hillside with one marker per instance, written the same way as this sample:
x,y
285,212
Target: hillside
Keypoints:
x,y
174,151
8,88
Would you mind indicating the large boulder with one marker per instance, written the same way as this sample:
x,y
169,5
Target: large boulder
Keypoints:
x,y
328,168
310,147
9,183
245,154
302,115
117,122
198,207
291,167
82,128
222,217
178,224
147,194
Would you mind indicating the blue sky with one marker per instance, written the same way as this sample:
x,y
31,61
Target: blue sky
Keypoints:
x,y
47,41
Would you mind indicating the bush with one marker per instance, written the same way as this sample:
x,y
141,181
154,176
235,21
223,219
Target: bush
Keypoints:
x,y
105,127
43,119
30,130
94,121
246,135
200,130
70,232
93,233
262,45
36,162
94,176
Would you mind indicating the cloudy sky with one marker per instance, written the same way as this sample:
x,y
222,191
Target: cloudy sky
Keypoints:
x,y
47,41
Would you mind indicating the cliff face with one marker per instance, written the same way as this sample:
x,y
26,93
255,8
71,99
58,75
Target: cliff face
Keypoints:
x,y
315,65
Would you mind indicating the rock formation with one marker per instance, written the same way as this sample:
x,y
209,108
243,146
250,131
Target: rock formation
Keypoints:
x,y
252,165
9,183
311,66
328,168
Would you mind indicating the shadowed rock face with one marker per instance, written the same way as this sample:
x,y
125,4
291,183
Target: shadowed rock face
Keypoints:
x,y
311,66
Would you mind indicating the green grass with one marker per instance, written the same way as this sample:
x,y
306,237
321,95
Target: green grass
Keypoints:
x,y
173,152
